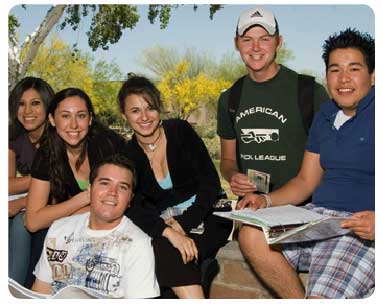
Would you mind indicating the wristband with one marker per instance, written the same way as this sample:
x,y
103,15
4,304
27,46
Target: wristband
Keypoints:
x,y
268,200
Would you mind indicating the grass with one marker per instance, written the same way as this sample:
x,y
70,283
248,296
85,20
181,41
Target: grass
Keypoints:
x,y
224,183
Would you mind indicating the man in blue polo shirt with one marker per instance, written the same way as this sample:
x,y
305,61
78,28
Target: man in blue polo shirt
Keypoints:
x,y
339,169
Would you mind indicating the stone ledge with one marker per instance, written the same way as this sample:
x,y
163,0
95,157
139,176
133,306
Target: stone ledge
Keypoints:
x,y
236,279
231,251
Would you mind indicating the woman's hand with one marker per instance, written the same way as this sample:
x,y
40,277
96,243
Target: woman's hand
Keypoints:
x,y
15,206
82,199
252,201
362,224
183,243
172,223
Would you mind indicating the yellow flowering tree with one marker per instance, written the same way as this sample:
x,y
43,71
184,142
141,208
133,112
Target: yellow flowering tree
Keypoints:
x,y
183,94
57,64
61,67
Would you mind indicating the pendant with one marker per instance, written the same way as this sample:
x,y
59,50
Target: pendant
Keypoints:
x,y
152,147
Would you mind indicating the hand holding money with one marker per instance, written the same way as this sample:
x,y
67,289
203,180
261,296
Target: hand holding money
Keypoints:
x,y
241,185
260,179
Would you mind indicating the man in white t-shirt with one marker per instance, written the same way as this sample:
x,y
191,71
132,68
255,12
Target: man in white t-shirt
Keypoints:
x,y
102,249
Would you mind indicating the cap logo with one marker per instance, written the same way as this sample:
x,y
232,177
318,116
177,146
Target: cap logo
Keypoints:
x,y
256,14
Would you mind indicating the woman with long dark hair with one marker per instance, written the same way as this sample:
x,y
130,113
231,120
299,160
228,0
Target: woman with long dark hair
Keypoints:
x,y
75,142
28,104
179,184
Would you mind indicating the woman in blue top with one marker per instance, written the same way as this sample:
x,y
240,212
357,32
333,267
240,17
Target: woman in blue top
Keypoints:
x,y
179,183
28,103
75,142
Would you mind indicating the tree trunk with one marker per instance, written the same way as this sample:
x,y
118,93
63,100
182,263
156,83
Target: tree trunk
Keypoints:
x,y
16,69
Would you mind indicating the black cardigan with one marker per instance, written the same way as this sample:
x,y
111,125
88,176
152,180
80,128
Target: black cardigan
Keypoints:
x,y
192,172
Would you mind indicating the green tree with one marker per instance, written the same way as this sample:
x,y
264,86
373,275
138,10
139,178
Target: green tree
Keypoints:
x,y
106,27
284,54
160,60
106,84
230,67
318,78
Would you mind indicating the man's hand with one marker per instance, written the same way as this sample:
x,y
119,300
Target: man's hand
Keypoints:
x,y
251,201
184,244
362,224
241,185
42,287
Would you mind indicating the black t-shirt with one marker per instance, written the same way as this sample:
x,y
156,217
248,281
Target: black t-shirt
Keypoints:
x,y
268,125
25,152
101,145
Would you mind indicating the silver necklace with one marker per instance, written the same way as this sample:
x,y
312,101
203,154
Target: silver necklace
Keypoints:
x,y
152,145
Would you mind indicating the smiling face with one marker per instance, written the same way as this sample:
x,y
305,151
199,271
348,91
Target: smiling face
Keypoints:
x,y
71,119
258,51
31,113
111,193
143,118
348,79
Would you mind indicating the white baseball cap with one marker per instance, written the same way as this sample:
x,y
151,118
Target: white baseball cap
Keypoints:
x,y
257,16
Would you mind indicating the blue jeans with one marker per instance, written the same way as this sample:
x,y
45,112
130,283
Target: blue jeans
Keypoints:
x,y
19,248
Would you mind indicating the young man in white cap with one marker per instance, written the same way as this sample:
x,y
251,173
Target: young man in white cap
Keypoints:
x,y
266,130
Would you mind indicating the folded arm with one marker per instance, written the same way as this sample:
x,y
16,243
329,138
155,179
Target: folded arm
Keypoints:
x,y
15,206
16,185
40,214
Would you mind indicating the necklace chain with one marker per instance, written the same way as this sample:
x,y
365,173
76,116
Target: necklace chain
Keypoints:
x,y
152,145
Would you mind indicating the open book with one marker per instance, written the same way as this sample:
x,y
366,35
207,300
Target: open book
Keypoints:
x,y
72,291
17,196
289,224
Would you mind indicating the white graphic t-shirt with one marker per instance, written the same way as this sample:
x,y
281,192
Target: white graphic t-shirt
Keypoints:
x,y
118,263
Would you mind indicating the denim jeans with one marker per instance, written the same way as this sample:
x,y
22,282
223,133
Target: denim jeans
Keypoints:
x,y
19,248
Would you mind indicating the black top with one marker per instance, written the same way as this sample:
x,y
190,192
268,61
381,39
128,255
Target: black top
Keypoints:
x,y
192,172
25,152
101,145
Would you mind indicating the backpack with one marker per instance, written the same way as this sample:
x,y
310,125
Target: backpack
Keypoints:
x,y
305,99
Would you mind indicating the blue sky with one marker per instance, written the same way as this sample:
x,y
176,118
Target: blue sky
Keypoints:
x,y
303,27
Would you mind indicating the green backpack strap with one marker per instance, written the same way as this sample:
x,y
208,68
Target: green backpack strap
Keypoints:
x,y
235,98
233,104
306,99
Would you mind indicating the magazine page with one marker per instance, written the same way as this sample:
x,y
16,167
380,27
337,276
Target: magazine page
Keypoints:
x,y
319,230
273,216
245,219
17,196
18,291
72,291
